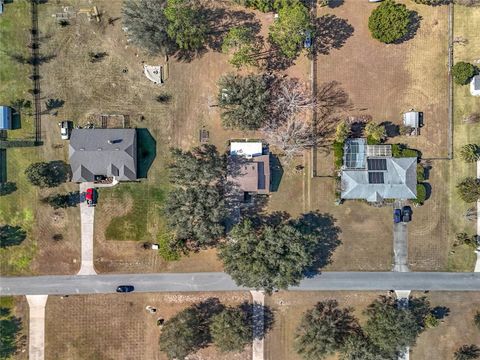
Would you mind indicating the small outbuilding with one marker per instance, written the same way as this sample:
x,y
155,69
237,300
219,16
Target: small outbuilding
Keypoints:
x,y
475,85
412,119
5,118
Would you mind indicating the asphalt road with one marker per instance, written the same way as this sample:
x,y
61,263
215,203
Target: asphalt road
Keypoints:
x,y
185,282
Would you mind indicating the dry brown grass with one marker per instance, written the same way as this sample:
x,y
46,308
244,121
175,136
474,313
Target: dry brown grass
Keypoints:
x,y
119,327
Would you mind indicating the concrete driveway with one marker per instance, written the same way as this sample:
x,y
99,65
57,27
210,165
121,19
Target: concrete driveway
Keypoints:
x,y
86,217
400,247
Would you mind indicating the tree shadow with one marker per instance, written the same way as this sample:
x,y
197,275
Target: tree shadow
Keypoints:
x,y
3,165
332,4
331,32
7,188
209,307
428,190
260,316
10,326
146,152
275,60
11,235
16,120
391,129
415,20
331,97
61,169
320,227
440,312
276,172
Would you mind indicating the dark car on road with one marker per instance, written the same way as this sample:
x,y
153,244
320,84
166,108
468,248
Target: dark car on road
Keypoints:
x,y
125,288
406,214
397,216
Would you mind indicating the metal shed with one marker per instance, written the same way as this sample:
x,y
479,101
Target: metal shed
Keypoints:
x,y
5,118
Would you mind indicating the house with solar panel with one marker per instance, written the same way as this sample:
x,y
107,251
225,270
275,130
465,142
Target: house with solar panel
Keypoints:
x,y
98,154
370,172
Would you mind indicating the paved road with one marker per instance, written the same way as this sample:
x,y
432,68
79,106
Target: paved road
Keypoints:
x,y
176,282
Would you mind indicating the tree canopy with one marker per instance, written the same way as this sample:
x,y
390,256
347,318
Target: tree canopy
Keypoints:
x,y
184,333
244,101
462,72
275,256
289,30
470,153
468,352
265,5
231,329
195,208
11,235
241,40
146,25
10,327
391,327
202,165
187,24
49,174
324,330
375,131
469,189
389,22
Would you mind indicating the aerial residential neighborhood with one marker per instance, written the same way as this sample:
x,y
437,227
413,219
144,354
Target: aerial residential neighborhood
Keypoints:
x,y
240,179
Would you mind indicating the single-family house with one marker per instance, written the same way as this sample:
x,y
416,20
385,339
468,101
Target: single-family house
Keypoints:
x,y
5,118
370,172
249,168
475,85
103,153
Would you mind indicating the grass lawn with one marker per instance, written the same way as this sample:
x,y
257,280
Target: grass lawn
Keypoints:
x,y
466,20
15,25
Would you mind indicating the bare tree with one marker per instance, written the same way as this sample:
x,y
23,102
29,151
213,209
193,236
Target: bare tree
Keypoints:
x,y
471,214
290,96
292,135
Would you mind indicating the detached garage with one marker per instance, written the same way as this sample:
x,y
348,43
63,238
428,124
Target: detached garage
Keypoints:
x,y
5,118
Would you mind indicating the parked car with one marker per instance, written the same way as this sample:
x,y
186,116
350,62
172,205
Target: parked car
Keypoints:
x,y
397,216
406,214
125,288
65,129
91,197
307,43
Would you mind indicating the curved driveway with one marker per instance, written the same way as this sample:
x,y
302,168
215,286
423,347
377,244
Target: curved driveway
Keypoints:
x,y
187,282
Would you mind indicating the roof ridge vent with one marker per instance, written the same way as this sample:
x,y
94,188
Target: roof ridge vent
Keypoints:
x,y
99,149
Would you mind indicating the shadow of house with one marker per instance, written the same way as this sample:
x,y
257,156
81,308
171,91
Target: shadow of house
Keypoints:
x,y
16,120
276,172
3,165
146,152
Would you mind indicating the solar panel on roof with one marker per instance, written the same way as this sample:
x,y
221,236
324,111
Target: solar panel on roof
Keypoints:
x,y
377,164
375,177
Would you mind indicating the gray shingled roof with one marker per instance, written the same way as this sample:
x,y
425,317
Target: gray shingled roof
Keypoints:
x,y
400,182
107,152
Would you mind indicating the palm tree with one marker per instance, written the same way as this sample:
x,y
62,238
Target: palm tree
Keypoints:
x,y
467,352
470,153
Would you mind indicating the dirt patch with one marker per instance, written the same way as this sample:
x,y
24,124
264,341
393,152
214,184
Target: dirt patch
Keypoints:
x,y
289,307
119,327
455,330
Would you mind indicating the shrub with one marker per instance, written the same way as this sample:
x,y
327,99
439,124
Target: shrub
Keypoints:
x,y
397,150
338,154
389,22
431,321
476,320
432,2
372,141
342,132
469,189
420,173
462,72
375,132
421,194
409,153
472,118
470,153
44,174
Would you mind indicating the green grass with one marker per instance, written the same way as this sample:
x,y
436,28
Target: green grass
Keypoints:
x,y
143,222
15,24
466,20
19,209
7,302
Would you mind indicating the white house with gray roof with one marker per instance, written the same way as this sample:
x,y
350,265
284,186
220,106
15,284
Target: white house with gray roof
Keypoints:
x,y
475,85
370,172
96,153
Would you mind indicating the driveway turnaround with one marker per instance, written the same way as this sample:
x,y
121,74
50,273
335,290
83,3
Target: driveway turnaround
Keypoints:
x,y
36,333
86,219
217,281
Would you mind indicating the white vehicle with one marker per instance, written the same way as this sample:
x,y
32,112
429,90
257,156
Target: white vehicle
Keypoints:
x,y
65,128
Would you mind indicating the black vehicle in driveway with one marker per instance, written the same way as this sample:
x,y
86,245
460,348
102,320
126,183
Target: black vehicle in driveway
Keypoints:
x,y
407,214
125,288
